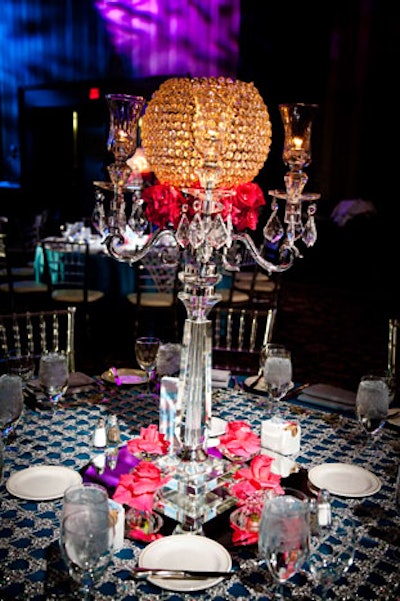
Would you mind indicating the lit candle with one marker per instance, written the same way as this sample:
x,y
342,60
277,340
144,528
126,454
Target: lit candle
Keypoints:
x,y
297,143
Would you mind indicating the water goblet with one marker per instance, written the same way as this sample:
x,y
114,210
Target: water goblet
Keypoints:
x,y
372,403
11,404
332,553
21,364
284,537
81,496
53,376
278,370
146,350
86,548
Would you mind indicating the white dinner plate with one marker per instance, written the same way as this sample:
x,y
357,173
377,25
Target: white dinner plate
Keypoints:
x,y
42,482
127,376
344,480
185,551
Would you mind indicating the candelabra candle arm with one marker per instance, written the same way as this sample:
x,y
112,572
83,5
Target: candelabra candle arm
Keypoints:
x,y
287,258
115,241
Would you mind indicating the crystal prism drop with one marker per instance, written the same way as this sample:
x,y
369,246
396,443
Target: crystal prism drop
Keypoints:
x,y
182,232
217,234
229,227
273,230
196,231
310,232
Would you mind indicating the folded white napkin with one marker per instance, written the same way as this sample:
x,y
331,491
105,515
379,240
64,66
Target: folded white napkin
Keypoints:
x,y
220,378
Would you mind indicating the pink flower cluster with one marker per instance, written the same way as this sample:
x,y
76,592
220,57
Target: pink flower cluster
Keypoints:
x,y
164,205
255,478
239,441
150,442
138,488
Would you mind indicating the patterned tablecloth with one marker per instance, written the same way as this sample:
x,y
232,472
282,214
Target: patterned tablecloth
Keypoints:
x,y
30,565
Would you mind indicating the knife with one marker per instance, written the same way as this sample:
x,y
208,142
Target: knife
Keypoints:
x,y
293,392
142,572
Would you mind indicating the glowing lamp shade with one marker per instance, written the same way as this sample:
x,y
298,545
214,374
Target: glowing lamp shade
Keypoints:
x,y
193,124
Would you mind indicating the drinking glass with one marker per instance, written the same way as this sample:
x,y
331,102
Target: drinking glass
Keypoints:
x,y
332,553
278,370
22,365
146,350
11,404
284,537
86,548
53,376
81,496
372,403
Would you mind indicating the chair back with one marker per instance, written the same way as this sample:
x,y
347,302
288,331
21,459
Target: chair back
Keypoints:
x,y
156,277
17,287
238,337
31,334
157,287
66,271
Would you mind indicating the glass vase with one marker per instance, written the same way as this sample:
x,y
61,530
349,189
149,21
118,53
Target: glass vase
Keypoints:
x,y
142,524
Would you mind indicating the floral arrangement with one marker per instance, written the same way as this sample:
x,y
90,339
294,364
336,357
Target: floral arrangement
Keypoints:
x,y
138,488
165,205
239,441
253,481
149,442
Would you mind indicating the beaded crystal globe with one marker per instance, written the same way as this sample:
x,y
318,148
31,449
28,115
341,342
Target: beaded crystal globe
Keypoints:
x,y
190,121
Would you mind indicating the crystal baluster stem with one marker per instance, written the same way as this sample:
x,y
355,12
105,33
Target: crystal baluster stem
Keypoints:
x,y
194,391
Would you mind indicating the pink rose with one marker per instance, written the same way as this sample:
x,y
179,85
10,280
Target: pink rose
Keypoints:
x,y
163,204
257,476
239,440
150,442
137,489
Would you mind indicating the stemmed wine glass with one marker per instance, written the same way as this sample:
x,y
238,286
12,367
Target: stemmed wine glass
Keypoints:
x,y
11,404
372,403
146,351
86,547
332,552
53,376
284,538
278,370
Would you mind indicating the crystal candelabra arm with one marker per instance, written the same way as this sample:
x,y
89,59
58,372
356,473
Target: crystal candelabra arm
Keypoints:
x,y
287,254
115,246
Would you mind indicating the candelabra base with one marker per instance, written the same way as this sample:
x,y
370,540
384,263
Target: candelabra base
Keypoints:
x,y
197,492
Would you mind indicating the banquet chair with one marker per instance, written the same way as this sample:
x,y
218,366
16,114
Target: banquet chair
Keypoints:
x,y
30,334
66,272
18,293
238,337
156,295
260,287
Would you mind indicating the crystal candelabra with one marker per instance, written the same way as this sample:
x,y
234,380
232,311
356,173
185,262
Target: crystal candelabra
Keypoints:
x,y
205,140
